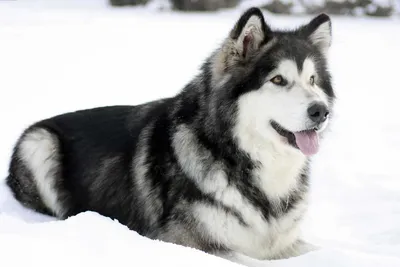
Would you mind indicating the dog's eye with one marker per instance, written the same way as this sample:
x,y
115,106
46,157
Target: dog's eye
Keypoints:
x,y
278,80
312,80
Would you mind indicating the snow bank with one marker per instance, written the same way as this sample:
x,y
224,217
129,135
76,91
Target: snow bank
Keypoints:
x,y
92,239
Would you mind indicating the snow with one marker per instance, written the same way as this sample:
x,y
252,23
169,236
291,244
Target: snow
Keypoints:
x,y
58,56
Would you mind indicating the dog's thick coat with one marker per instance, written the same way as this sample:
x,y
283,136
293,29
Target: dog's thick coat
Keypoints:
x,y
221,167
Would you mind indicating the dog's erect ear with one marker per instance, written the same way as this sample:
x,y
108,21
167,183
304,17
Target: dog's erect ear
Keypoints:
x,y
244,41
319,32
249,32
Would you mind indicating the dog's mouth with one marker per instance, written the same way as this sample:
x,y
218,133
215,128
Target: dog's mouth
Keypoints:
x,y
307,140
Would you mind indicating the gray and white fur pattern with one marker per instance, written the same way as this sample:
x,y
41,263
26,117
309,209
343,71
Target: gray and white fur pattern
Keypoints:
x,y
216,167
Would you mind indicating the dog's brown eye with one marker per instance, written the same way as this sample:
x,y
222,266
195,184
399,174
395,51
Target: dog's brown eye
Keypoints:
x,y
278,80
312,80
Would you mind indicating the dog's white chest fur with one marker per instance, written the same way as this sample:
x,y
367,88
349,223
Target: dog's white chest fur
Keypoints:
x,y
278,174
279,168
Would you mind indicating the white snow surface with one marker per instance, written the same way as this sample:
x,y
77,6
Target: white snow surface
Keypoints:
x,y
60,56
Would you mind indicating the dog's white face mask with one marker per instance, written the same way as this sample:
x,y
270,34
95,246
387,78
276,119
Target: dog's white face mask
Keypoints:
x,y
290,106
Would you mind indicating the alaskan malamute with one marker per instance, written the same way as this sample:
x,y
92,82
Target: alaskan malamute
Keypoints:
x,y
221,167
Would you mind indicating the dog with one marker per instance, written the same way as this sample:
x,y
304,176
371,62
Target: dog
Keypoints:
x,y
222,166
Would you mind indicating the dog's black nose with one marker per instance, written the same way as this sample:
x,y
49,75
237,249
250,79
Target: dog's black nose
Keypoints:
x,y
318,112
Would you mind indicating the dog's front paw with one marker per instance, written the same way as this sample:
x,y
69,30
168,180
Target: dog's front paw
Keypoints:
x,y
298,248
301,247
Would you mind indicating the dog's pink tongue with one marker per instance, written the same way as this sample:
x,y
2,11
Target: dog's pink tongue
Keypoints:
x,y
307,141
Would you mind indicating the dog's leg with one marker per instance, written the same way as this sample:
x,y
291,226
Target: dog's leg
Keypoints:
x,y
299,248
303,247
243,259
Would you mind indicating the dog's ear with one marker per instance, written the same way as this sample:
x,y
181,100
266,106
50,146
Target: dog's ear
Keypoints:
x,y
249,33
244,41
319,32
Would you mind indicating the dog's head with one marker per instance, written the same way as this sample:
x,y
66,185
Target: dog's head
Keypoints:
x,y
279,80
